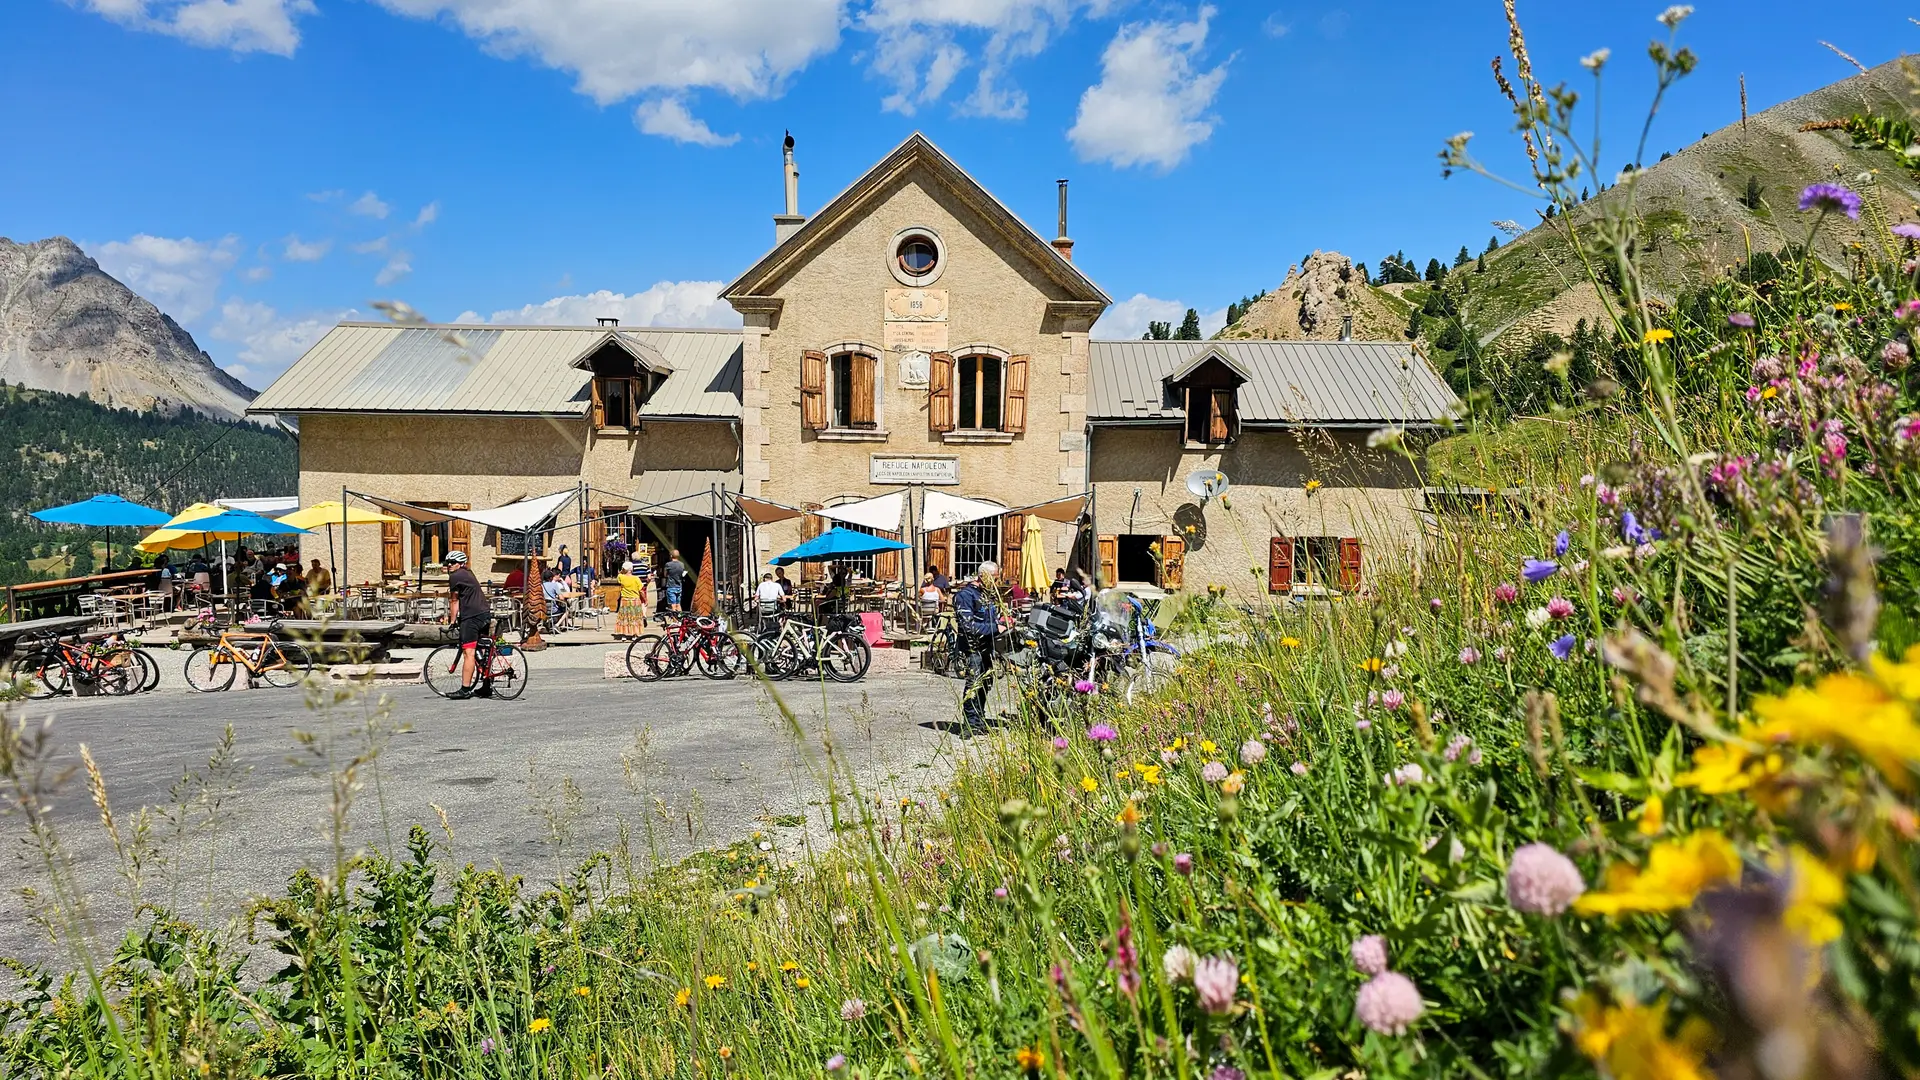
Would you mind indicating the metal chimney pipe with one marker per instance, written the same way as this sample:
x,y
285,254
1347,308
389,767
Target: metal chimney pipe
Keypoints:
x,y
1346,328
785,225
1060,242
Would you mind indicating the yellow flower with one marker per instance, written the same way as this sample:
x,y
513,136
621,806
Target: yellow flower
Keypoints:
x,y
583,991
1902,680
715,982
1847,709
1372,663
1842,305
1769,393
452,1009
1177,745
1235,781
1089,784
1129,815
682,996
1656,335
1813,892
1121,775
1207,747
726,1052
539,1025
1030,1058
1675,873
1717,770
1652,816
1313,486
788,965
802,982
1290,642
752,966
1631,1042
1150,773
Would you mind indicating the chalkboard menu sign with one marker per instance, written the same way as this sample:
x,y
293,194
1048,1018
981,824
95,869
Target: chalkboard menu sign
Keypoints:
x,y
513,545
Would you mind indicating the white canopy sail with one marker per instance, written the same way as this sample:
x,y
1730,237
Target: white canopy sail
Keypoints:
x,y
880,512
522,516
941,510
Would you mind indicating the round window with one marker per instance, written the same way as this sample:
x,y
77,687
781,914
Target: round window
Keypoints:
x,y
918,256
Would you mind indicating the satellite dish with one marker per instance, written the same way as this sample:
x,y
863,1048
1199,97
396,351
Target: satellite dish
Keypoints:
x,y
1207,483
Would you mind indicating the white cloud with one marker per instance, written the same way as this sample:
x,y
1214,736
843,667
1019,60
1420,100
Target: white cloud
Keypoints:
x,y
1128,319
330,195
298,250
1149,107
668,303
369,205
180,276
618,48
1276,25
428,215
257,273
918,47
376,246
668,117
399,265
269,341
242,26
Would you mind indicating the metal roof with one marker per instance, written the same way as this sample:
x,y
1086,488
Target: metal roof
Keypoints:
x,y
1300,382
504,370
681,492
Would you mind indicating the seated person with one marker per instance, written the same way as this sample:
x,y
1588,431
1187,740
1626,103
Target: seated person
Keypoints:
x,y
555,589
516,582
930,596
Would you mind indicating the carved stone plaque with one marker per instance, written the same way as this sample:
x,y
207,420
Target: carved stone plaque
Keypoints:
x,y
914,321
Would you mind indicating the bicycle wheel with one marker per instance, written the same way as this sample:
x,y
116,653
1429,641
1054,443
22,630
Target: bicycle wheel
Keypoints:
x,y
208,669
442,670
649,658
45,674
719,657
1149,673
290,667
507,675
939,655
149,669
846,657
115,680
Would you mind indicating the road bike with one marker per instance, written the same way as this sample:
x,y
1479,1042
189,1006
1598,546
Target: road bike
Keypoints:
x,y
266,660
691,643
500,669
801,646
942,656
109,666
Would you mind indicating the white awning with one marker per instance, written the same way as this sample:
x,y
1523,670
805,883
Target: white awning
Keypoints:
x,y
522,516
273,507
941,510
880,512
1066,510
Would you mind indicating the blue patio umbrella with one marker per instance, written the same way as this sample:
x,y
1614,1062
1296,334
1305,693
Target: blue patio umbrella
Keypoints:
x,y
104,511
837,543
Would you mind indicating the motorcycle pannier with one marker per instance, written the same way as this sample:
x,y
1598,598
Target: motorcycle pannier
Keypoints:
x,y
1050,621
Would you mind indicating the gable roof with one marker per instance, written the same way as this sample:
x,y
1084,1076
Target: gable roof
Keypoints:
x,y
916,150
364,367
1200,358
1288,382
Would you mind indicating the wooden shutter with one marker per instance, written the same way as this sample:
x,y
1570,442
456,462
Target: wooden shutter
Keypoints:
x,y
1012,531
940,550
886,564
1280,564
860,374
813,390
1349,563
811,525
1220,420
940,394
460,533
1014,417
392,553
596,541
1109,561
1173,562
599,405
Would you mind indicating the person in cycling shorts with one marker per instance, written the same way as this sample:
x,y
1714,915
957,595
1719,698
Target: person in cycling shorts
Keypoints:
x,y
472,613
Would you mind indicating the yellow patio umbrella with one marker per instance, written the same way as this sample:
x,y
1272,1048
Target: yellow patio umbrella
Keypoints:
x,y
1033,558
330,513
177,535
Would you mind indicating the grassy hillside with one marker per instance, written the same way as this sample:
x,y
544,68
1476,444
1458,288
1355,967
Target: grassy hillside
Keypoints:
x,y
55,448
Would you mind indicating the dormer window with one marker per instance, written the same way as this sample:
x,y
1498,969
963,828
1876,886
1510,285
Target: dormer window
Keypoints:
x,y
621,385
1207,390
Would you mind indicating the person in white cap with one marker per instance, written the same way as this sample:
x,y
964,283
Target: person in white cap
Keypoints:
x,y
471,612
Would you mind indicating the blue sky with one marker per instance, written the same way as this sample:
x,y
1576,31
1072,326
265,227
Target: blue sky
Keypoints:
x,y
261,167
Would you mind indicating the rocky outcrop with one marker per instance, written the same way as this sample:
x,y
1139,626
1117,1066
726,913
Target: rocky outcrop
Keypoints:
x,y
1312,302
68,326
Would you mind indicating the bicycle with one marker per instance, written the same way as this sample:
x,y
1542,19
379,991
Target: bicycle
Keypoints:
x,y
800,645
54,667
212,668
500,669
692,642
942,656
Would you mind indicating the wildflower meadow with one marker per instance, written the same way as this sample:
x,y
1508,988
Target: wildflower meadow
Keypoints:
x,y
1617,778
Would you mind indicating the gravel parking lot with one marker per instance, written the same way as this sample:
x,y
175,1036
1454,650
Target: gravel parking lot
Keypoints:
x,y
533,785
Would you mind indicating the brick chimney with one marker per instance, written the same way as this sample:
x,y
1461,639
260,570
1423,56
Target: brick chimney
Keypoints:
x,y
785,225
1060,243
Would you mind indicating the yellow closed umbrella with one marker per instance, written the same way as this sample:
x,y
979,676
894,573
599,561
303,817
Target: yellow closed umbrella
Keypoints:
x,y
1033,558
330,513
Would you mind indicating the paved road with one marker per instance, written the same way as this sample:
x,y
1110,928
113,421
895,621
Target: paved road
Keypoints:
x,y
532,785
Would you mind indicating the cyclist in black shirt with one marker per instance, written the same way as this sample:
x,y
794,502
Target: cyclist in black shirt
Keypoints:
x,y
473,613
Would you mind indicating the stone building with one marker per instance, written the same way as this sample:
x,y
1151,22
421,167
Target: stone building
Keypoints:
x,y
911,333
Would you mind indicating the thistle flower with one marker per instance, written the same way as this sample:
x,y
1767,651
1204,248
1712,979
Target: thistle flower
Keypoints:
x,y
1177,964
1562,646
1369,954
1907,230
1083,686
1538,570
1827,198
1388,1003
1226,1072
837,1063
1541,881
1253,752
1216,979
1436,605
1183,864
853,1009
1060,742
1506,592
1559,608
1102,733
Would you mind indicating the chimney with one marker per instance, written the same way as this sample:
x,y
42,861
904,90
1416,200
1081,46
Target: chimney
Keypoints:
x,y
608,320
785,225
1346,328
1060,243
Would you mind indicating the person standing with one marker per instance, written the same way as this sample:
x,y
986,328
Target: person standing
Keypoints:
x,y
564,563
978,621
673,580
632,616
472,613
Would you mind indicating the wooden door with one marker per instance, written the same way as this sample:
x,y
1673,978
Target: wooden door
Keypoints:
x,y
393,555
596,541
1349,563
1280,564
1220,421
460,533
886,564
1173,562
1109,561
811,525
940,551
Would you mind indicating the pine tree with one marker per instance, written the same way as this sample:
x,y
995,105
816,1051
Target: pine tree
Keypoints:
x,y
1480,265
1493,245
1463,258
1435,272
1753,193
1189,327
1157,331
1413,324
